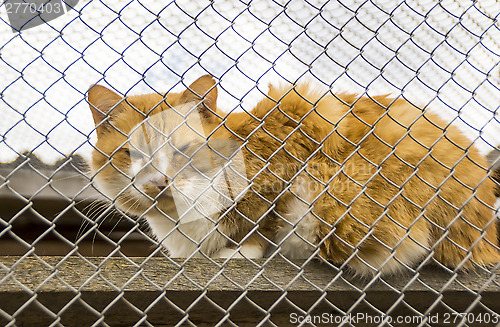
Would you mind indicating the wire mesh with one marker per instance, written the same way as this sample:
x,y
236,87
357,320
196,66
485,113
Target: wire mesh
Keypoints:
x,y
60,230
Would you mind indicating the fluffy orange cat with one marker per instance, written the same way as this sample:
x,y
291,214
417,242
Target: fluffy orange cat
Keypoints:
x,y
374,183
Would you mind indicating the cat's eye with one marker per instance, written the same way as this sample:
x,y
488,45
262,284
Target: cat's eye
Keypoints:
x,y
133,154
183,150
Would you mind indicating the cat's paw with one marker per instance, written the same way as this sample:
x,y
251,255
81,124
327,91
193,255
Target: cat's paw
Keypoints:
x,y
227,253
249,251
252,250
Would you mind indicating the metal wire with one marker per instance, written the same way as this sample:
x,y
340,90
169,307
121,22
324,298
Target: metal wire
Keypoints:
x,y
439,56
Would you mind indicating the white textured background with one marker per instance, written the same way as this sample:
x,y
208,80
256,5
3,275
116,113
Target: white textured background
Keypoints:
x,y
444,56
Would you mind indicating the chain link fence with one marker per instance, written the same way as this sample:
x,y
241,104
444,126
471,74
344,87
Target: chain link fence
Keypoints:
x,y
72,255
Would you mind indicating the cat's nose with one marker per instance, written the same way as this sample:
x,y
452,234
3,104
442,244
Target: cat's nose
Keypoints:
x,y
160,182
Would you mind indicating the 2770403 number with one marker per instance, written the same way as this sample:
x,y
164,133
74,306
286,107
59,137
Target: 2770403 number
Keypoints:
x,y
470,318
33,8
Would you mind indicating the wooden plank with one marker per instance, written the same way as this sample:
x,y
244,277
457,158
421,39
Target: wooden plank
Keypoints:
x,y
166,289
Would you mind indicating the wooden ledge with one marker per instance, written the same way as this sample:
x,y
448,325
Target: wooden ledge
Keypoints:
x,y
201,290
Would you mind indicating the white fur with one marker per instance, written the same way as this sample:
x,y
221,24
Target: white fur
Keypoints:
x,y
298,236
193,229
196,237
250,251
227,253
408,252
182,240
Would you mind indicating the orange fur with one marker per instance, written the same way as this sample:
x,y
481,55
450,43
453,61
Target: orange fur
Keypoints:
x,y
384,183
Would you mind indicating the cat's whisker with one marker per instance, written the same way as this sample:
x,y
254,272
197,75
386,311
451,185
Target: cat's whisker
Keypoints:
x,y
102,220
131,207
90,206
95,207
86,199
111,211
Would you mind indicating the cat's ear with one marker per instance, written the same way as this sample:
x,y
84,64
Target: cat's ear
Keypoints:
x,y
101,101
204,89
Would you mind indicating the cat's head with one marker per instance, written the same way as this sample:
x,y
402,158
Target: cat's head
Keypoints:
x,y
161,152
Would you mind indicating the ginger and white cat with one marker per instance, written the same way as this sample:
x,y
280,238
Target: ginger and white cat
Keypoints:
x,y
371,182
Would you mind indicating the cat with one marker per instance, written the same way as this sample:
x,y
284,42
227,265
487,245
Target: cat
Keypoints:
x,y
372,184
